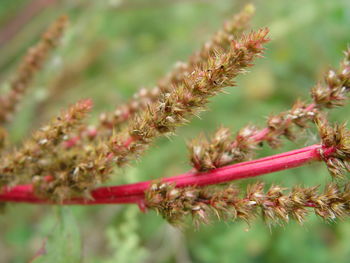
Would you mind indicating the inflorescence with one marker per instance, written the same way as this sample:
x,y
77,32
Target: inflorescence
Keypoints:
x,y
66,159
227,203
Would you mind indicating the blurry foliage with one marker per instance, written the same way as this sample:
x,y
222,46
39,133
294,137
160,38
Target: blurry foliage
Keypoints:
x,y
112,48
124,240
63,244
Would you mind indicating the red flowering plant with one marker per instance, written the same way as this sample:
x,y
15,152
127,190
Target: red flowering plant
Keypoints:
x,y
66,161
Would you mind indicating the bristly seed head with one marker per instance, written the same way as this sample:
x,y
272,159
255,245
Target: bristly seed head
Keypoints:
x,y
226,203
337,138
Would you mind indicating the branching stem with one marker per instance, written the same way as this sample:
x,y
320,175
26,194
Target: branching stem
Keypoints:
x,y
134,193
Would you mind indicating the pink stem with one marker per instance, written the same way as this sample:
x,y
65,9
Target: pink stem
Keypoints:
x,y
260,136
134,193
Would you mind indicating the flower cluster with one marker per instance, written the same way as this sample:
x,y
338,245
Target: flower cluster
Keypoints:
x,y
41,155
190,96
338,138
337,84
221,41
227,203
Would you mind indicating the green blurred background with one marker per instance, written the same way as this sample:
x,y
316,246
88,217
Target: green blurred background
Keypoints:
x,y
114,47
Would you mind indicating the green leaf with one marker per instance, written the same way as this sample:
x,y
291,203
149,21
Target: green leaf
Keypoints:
x,y
63,244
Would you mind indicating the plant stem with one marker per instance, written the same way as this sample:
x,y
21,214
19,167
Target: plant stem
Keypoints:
x,y
134,193
260,136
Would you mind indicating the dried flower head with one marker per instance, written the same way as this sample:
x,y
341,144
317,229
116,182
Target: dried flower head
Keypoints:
x,y
275,206
189,97
333,92
337,138
221,41
39,155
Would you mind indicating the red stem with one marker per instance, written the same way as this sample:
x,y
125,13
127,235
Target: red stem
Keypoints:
x,y
134,193
260,136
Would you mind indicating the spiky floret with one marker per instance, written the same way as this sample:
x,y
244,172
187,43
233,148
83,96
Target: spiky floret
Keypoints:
x,y
338,137
189,97
40,154
333,92
275,206
221,40
31,64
